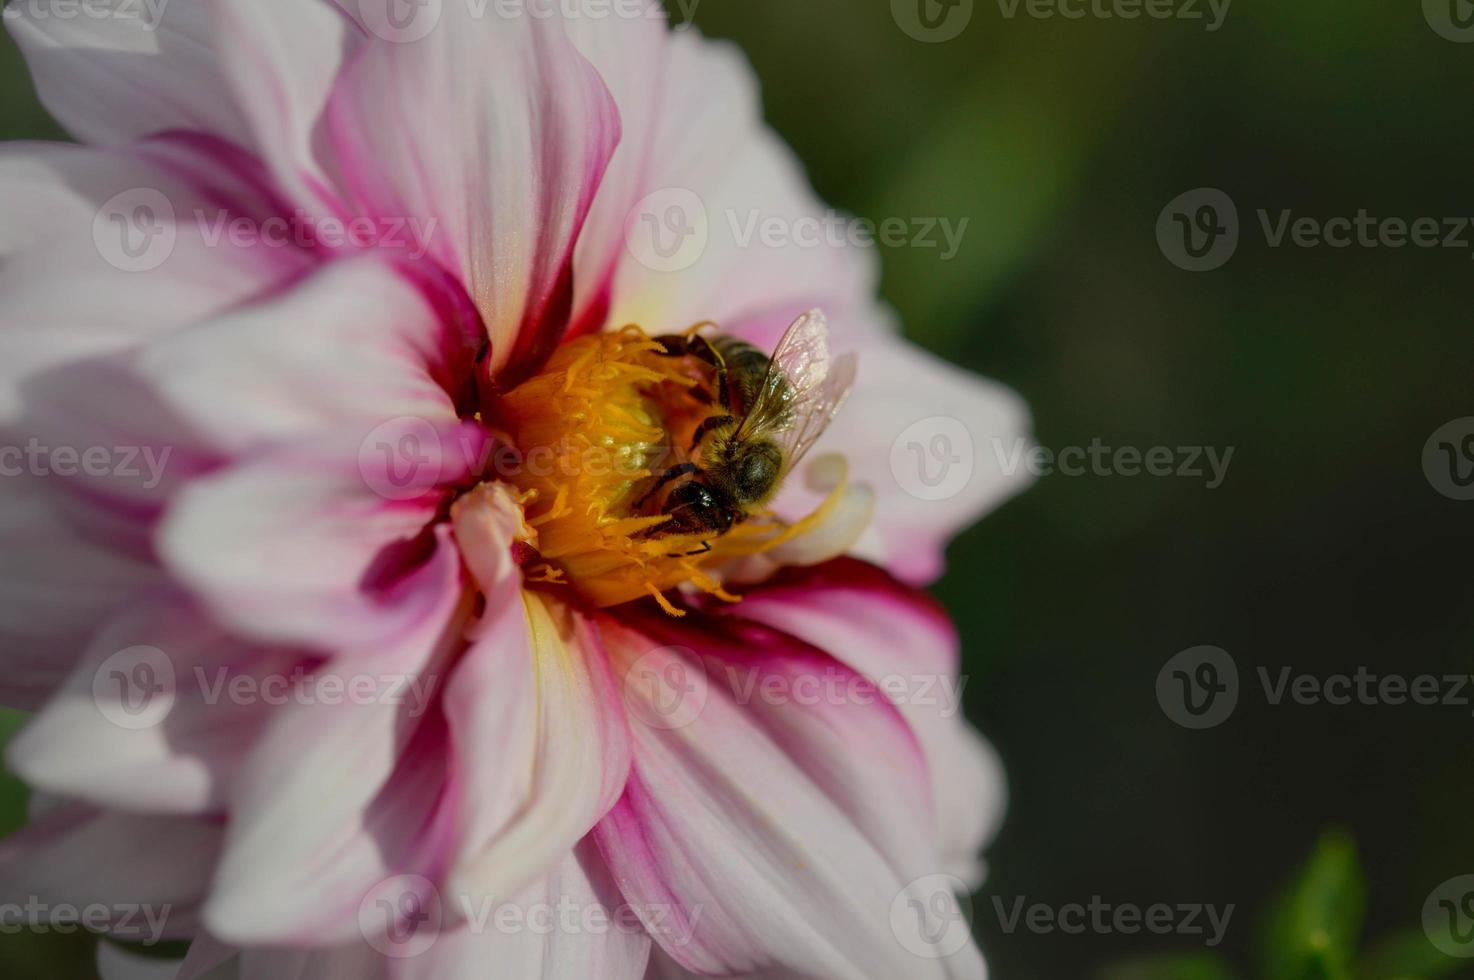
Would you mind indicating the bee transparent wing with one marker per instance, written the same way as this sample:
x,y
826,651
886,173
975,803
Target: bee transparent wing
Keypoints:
x,y
813,414
802,390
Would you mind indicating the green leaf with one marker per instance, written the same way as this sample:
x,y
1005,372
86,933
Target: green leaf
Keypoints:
x,y
1007,158
1313,929
1407,956
69,956
13,793
1188,966
173,950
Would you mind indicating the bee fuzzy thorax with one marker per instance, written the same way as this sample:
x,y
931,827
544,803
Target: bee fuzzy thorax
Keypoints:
x,y
596,436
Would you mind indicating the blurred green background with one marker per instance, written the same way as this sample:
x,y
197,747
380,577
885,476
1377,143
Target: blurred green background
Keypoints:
x,y
1324,550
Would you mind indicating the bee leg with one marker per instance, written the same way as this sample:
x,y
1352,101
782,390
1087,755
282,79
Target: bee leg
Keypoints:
x,y
706,352
711,422
674,473
705,547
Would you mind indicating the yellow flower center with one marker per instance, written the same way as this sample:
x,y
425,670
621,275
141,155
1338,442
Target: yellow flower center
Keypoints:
x,y
590,432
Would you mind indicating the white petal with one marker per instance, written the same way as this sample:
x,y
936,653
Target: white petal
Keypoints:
x,y
496,131
114,79
896,635
728,828
713,164
342,792
81,856
356,344
100,251
570,925
91,742
280,62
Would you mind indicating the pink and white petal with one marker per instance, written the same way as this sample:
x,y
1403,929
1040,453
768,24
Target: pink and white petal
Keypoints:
x,y
571,924
901,639
821,714
97,741
344,790
114,452
631,55
726,826
75,854
496,131
662,967
319,543
102,250
354,961
116,79
975,798
56,587
116,962
903,401
355,344
280,62
713,160
540,738
209,959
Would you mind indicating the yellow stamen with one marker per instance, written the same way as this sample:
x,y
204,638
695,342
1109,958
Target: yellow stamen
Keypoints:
x,y
591,429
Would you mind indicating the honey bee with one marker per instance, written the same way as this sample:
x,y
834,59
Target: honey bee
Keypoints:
x,y
761,415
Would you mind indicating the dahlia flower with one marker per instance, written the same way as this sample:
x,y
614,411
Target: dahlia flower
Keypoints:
x,y
350,640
